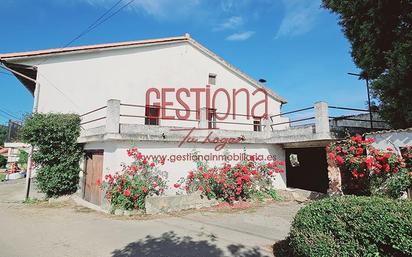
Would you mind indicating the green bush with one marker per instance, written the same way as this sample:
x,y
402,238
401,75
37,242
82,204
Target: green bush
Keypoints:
x,y
353,226
23,158
57,153
3,161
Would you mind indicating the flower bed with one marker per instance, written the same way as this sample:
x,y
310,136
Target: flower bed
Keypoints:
x,y
128,189
369,171
232,182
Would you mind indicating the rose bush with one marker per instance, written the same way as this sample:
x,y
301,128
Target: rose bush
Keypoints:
x,y
407,156
232,182
369,171
128,189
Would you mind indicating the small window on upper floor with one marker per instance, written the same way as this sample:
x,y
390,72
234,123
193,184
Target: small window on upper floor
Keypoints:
x,y
257,124
152,115
212,79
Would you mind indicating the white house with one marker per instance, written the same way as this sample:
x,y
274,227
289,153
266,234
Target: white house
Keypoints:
x,y
144,93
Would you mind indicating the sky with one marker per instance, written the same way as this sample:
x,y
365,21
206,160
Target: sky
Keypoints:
x,y
296,45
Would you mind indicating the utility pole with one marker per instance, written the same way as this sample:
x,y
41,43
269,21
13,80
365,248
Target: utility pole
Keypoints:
x,y
366,78
35,107
29,161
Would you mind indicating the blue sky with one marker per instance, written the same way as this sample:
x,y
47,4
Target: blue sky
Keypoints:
x,y
297,46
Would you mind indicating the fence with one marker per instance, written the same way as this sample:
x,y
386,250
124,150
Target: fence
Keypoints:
x,y
317,115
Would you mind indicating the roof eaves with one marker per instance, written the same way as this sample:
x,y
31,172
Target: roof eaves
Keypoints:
x,y
57,51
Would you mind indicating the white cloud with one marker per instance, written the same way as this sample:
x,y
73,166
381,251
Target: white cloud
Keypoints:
x,y
156,8
300,17
241,36
230,23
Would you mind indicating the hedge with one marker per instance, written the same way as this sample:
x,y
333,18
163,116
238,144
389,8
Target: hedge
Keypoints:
x,y
57,153
353,226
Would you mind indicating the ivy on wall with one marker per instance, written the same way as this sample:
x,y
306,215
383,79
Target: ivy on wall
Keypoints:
x,y
57,153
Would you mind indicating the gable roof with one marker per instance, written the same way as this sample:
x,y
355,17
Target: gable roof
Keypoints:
x,y
10,59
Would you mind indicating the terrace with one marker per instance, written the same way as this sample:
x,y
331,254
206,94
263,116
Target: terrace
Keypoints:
x,y
125,121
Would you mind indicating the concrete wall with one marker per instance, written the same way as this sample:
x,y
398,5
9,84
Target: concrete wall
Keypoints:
x,y
82,82
115,154
394,140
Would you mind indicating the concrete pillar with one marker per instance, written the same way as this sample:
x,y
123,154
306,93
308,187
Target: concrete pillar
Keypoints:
x,y
335,180
266,122
322,119
203,122
113,116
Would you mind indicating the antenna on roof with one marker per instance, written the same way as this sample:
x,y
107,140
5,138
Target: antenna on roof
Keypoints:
x,y
187,35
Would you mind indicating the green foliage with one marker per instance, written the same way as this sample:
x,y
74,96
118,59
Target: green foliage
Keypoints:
x,y
3,161
57,153
3,134
353,226
2,177
23,158
381,37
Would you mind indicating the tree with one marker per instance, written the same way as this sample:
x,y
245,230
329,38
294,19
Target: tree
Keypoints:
x,y
380,32
3,134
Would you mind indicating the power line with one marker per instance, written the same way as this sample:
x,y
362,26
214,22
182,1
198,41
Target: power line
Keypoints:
x,y
5,73
96,23
61,92
91,25
8,114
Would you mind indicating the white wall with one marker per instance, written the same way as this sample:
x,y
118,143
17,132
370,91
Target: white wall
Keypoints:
x,y
115,154
83,82
394,140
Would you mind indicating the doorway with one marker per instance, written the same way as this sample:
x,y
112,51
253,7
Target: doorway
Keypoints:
x,y
94,171
307,168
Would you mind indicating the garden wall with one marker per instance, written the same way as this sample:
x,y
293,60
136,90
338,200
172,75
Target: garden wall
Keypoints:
x,y
391,139
115,153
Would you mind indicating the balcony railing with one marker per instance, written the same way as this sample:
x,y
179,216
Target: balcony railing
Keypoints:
x,y
115,113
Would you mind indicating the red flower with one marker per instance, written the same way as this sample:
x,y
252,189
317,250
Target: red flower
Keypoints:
x,y
339,160
176,185
98,182
144,161
127,193
152,164
282,163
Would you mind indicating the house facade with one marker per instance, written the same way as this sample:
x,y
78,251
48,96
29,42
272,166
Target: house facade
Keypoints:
x,y
172,98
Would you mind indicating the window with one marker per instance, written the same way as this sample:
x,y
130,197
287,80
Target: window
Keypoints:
x,y
257,124
211,117
212,79
152,115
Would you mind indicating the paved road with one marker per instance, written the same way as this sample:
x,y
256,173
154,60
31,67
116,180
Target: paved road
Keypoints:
x,y
69,230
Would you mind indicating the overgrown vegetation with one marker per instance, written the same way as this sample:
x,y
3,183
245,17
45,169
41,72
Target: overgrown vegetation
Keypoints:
x,y
23,158
369,171
381,37
353,226
3,134
3,161
57,153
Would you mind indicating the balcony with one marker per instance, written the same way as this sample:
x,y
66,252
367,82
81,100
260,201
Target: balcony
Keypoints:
x,y
132,122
